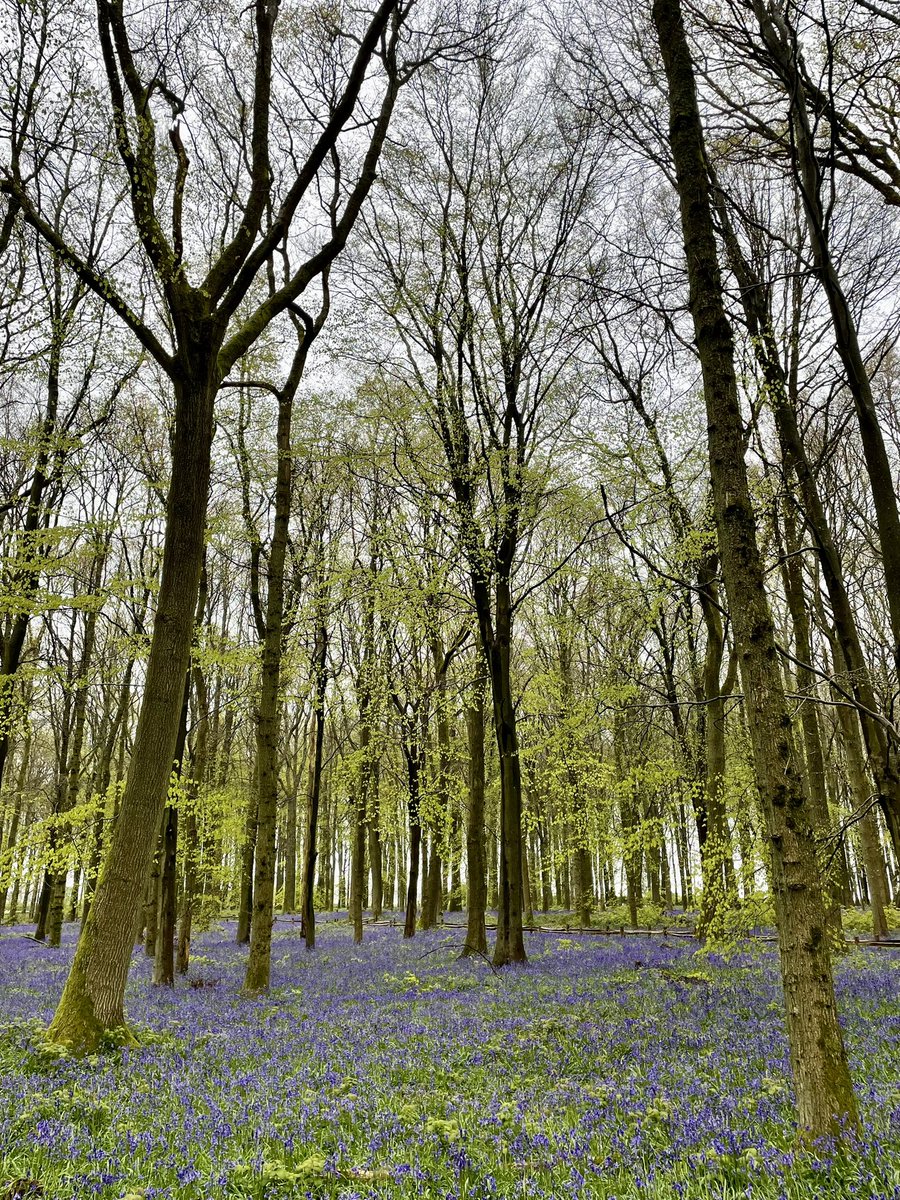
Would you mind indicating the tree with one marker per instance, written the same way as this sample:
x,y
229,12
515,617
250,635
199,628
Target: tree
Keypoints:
x,y
208,331
499,189
825,1100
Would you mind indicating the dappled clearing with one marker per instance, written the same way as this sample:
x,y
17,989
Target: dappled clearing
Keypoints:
x,y
609,1067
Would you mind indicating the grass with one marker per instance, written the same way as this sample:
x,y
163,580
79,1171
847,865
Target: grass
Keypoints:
x,y
614,1068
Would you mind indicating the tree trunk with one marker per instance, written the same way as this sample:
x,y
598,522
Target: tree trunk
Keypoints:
x,y
164,958
814,761
6,863
92,1000
412,754
197,778
289,902
825,1101
150,910
873,858
432,890
71,781
248,854
315,783
375,847
104,775
509,946
271,630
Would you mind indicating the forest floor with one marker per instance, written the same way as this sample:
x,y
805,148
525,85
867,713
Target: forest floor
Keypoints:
x,y
608,1067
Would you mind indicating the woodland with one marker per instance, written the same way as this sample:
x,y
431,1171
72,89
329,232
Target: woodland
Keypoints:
x,y
449,599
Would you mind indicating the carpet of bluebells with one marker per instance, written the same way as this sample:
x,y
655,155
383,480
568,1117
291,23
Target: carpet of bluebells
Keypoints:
x,y
607,1067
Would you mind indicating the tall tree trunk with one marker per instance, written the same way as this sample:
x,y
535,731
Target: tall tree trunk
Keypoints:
x,y
12,836
248,854
509,945
527,894
198,769
289,902
149,919
873,857
92,1000
104,776
320,661
271,629
432,885
71,781
412,752
825,1101
814,761
357,867
365,807
164,958
375,846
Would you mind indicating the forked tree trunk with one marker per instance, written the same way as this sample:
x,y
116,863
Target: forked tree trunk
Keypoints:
x,y
825,1101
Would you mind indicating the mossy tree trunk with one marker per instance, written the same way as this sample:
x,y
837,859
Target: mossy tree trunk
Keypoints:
x,y
92,1001
826,1105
